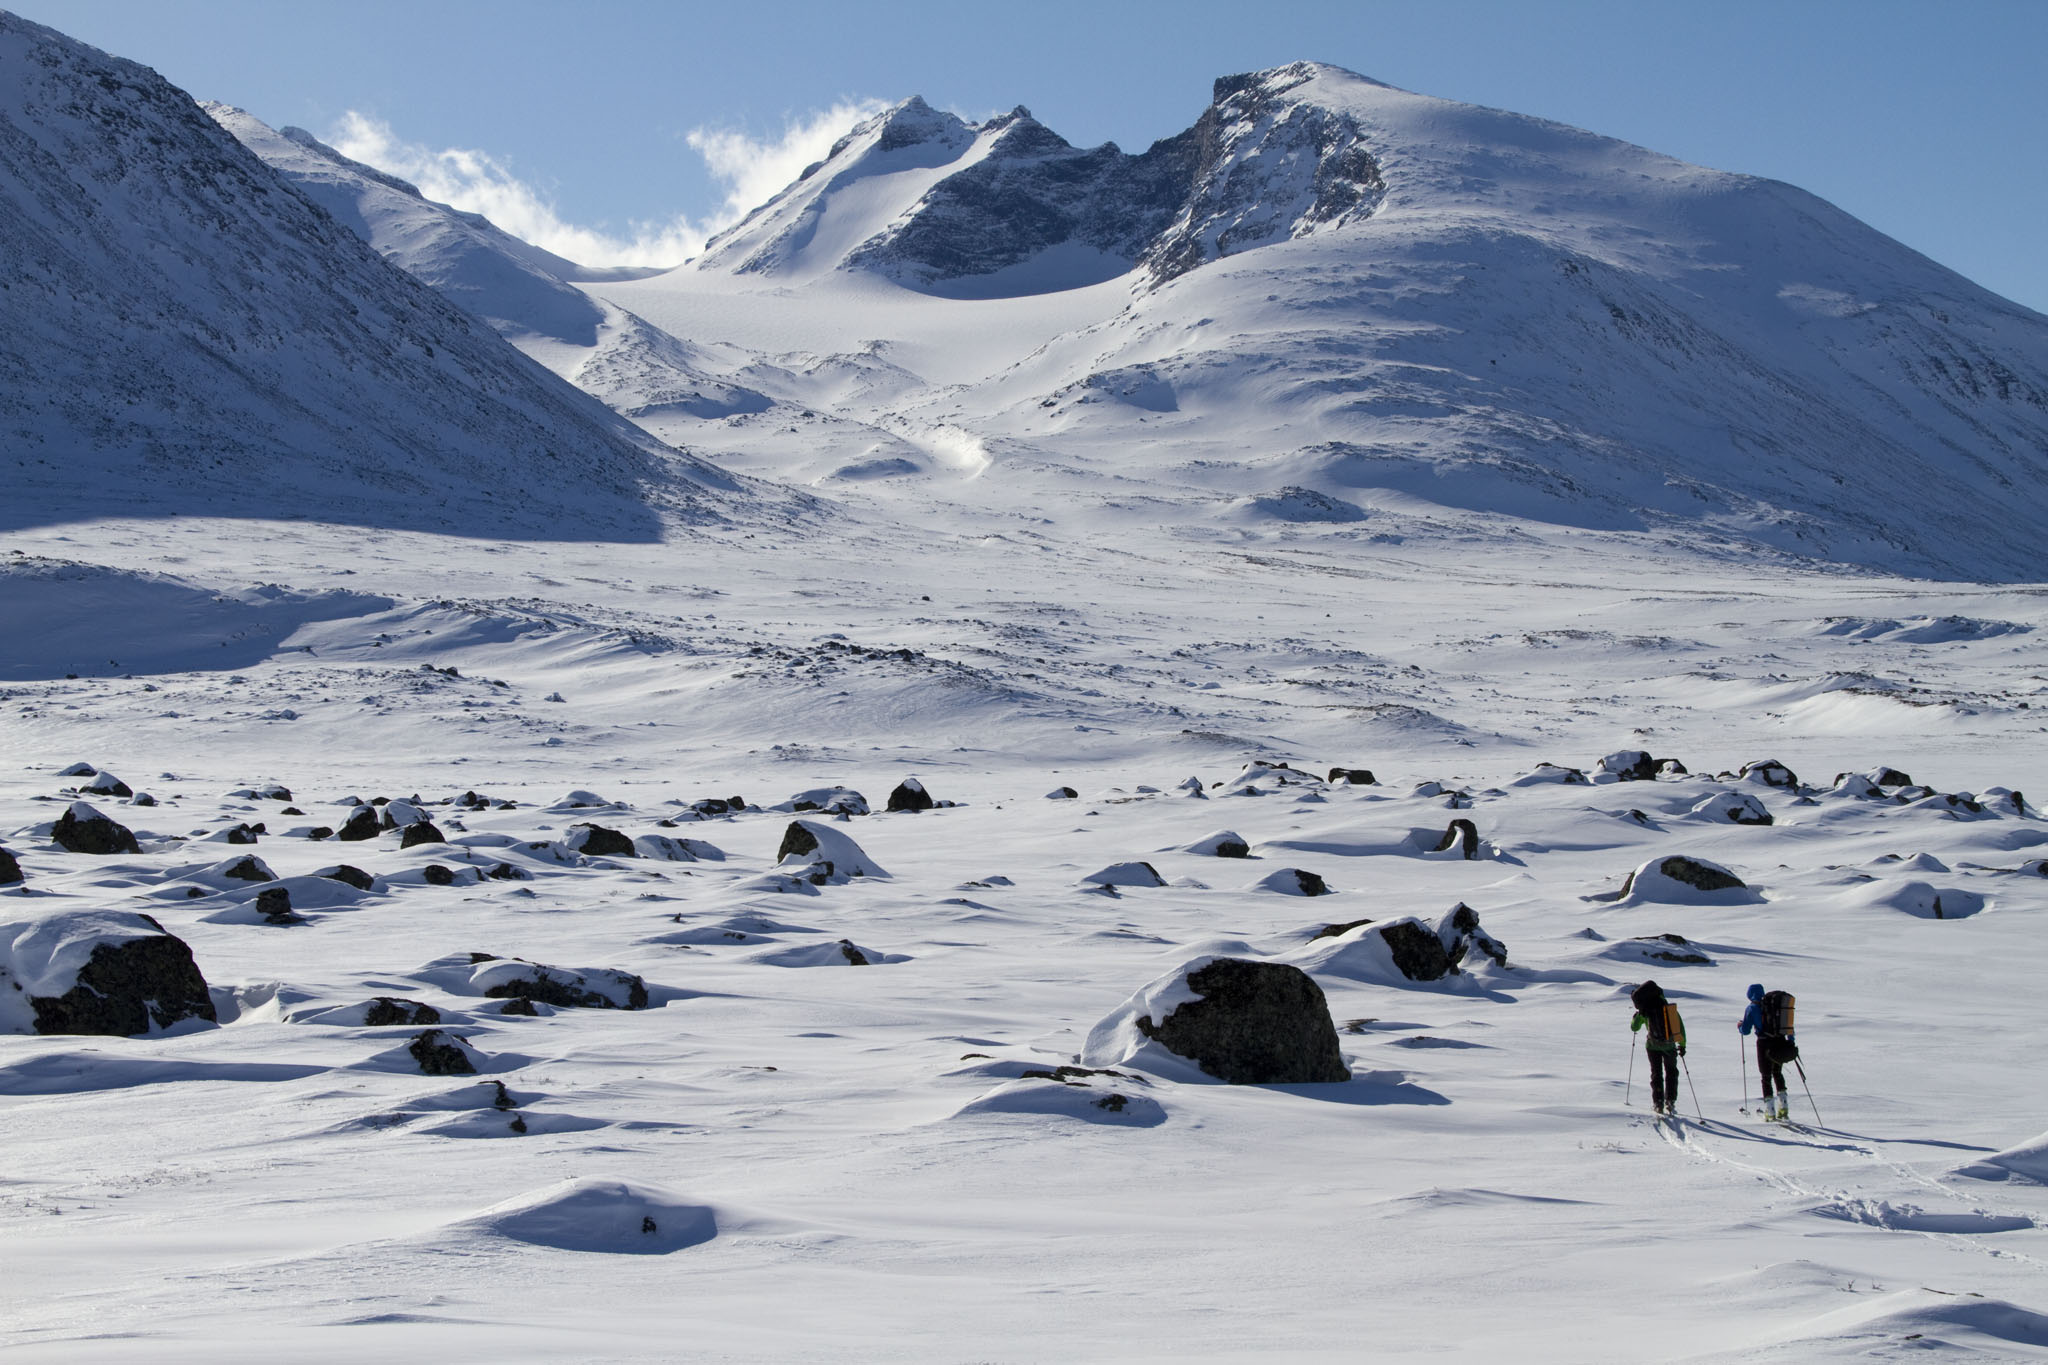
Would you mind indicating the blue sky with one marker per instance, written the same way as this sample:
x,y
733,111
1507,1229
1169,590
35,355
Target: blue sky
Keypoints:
x,y
1927,120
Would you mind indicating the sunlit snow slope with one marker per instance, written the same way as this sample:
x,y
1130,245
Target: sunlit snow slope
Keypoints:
x,y
182,332
1331,285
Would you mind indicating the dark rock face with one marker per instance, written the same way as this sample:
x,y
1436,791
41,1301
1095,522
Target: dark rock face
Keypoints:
x,y
1671,767
796,840
360,825
505,872
854,956
420,832
10,869
125,988
106,784
596,841
275,905
910,795
348,876
1417,952
1310,883
438,1055
1257,1023
319,832
519,1006
386,1011
561,990
436,875
1461,936
1063,794
1357,777
1233,848
1462,835
244,834
95,833
249,870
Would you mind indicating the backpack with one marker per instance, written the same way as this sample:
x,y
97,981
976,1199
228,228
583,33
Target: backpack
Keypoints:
x,y
1774,1014
1646,998
1665,1025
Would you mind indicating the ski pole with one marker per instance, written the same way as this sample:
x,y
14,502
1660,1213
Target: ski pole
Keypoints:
x,y
1809,1091
1701,1113
1629,1096
1742,1059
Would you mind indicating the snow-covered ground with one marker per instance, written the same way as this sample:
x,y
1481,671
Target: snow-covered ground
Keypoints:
x,y
1481,1187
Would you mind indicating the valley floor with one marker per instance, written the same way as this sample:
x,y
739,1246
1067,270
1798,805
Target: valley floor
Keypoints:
x,y
846,1159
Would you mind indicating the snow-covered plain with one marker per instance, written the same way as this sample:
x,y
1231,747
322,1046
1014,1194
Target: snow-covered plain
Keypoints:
x,y
1045,565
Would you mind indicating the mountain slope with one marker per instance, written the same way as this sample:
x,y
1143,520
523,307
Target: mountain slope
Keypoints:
x,y
185,333
1415,306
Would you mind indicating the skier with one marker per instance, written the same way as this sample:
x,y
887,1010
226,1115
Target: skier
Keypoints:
x,y
1770,1016
1666,1044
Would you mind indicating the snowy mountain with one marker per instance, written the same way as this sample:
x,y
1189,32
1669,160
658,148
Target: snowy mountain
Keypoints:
x,y
524,292
184,332
1403,303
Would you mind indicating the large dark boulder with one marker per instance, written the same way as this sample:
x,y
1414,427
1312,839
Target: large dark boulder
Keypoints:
x,y
10,868
1630,765
1357,777
249,869
1770,772
81,829
420,832
360,825
910,795
348,876
1256,1023
596,841
1419,954
127,986
275,905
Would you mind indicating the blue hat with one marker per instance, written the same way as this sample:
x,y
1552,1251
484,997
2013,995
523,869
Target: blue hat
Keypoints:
x,y
1756,991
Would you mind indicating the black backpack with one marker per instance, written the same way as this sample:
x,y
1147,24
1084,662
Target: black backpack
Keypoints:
x,y
1774,1026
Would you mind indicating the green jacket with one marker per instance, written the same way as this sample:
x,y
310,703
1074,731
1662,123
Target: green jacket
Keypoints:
x,y
1675,1045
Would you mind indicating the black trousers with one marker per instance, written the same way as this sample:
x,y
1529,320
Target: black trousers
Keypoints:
x,y
1663,1079
1772,1072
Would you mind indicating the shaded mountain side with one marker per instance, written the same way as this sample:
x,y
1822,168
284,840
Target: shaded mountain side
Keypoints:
x,y
183,333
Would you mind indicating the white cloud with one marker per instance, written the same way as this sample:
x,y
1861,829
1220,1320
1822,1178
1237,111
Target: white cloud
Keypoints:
x,y
751,170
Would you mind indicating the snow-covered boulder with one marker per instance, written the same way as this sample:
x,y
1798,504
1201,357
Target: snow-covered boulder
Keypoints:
x,y
1126,874
1856,785
1240,1021
1923,900
839,953
1291,881
597,841
1462,938
97,971
823,854
421,832
591,1215
104,783
1460,841
1739,808
1661,949
1680,879
1629,765
1041,1095
910,795
826,801
348,876
666,849
1261,776
1353,777
581,800
1224,843
1549,774
1768,772
506,978
1391,953
2028,1161
82,829
1062,794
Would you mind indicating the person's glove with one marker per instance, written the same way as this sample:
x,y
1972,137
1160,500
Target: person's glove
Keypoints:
x,y
1681,1050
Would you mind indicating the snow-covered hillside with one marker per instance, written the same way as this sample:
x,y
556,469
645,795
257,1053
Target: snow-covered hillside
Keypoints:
x,y
181,332
1398,302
